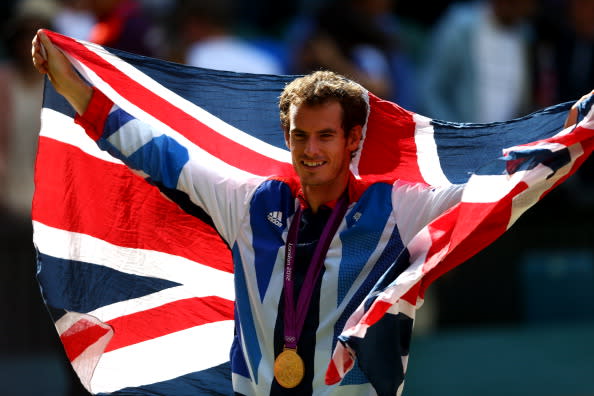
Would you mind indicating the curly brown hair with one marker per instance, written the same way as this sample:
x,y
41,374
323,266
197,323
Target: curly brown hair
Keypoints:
x,y
320,87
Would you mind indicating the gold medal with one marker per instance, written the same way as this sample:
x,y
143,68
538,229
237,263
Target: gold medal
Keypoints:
x,y
288,368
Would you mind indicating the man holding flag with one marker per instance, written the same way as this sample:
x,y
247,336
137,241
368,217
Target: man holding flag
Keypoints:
x,y
330,261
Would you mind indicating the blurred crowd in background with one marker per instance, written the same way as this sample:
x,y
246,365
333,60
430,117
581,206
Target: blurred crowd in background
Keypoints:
x,y
467,61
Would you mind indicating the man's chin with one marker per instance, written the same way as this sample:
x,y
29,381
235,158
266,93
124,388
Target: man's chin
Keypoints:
x,y
312,181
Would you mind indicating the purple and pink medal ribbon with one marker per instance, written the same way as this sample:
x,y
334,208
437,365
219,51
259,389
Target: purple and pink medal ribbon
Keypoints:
x,y
294,316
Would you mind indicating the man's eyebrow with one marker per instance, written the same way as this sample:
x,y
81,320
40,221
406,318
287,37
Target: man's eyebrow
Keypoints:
x,y
325,130
296,130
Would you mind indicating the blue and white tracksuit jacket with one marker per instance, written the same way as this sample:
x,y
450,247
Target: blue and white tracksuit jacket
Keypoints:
x,y
253,214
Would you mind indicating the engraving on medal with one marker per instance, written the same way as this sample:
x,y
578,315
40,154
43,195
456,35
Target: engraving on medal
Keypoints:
x,y
288,368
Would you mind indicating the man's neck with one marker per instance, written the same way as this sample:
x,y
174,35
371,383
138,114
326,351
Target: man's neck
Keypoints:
x,y
316,196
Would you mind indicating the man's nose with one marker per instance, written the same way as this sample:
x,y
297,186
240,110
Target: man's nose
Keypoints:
x,y
312,146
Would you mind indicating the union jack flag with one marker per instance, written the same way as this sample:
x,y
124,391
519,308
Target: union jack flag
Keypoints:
x,y
141,288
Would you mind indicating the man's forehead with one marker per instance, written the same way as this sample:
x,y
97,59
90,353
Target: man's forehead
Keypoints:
x,y
315,118
330,107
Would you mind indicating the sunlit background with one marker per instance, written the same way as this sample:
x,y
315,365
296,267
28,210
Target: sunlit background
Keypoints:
x,y
517,319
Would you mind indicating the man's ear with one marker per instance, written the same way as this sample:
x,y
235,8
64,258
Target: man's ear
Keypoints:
x,y
287,140
354,137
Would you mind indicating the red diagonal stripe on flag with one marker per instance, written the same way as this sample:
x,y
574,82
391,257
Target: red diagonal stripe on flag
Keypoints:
x,y
209,140
155,223
168,318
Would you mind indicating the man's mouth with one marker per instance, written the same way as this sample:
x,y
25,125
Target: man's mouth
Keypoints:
x,y
313,164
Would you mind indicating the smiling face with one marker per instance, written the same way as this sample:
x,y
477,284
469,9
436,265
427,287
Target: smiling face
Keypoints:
x,y
320,151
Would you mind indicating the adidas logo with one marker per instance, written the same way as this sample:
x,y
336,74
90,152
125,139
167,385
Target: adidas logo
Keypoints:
x,y
276,218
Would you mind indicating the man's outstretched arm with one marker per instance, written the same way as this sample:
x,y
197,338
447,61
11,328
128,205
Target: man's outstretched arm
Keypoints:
x,y
165,156
49,60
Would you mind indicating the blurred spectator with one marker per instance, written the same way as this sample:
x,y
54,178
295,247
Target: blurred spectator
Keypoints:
x,y
6,11
21,87
124,25
575,51
359,39
209,42
478,68
565,70
74,19
566,52
29,332
425,14
269,17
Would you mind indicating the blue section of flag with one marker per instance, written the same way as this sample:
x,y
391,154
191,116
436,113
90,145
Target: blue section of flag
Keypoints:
x,y
526,159
379,354
81,287
464,148
54,101
530,158
248,102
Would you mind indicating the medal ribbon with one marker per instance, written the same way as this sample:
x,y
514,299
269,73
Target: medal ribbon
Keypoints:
x,y
294,316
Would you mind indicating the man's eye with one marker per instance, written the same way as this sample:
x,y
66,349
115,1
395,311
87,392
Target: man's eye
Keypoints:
x,y
327,136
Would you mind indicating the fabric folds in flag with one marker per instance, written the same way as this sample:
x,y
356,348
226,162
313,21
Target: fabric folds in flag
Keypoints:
x,y
140,284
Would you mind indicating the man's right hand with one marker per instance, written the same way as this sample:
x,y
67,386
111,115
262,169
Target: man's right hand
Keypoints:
x,y
572,115
48,59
